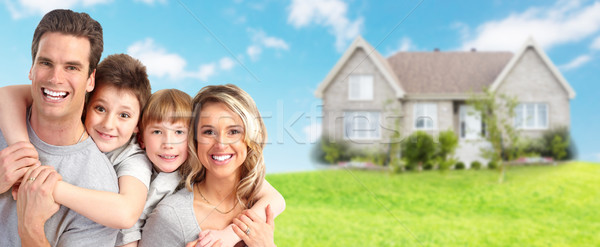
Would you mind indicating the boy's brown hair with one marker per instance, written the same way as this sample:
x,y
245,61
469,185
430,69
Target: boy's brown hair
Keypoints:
x,y
171,105
77,24
124,73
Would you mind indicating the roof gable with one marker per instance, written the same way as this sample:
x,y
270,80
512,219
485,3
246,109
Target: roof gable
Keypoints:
x,y
530,43
380,63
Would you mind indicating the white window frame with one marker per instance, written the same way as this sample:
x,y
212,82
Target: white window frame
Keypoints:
x,y
428,112
362,125
360,87
527,116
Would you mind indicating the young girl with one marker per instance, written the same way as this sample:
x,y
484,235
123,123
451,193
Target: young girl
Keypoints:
x,y
224,176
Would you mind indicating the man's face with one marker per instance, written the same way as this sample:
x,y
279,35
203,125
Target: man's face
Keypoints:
x,y
59,76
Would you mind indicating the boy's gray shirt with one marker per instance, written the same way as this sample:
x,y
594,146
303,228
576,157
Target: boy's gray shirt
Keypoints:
x,y
162,185
131,160
81,165
172,222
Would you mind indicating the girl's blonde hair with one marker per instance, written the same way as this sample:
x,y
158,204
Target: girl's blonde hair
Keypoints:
x,y
167,105
252,171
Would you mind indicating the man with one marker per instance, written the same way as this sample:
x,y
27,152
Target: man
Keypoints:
x,y
66,49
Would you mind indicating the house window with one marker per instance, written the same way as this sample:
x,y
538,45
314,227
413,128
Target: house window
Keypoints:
x,y
362,125
425,116
531,116
360,87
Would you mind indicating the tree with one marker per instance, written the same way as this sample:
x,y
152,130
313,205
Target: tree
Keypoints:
x,y
498,113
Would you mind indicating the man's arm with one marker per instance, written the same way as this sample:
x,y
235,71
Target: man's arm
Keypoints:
x,y
15,160
35,204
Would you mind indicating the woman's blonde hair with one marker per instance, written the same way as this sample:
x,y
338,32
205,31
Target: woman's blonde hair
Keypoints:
x,y
167,105
252,171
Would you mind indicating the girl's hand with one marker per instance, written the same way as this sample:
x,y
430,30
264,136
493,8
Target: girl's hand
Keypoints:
x,y
250,228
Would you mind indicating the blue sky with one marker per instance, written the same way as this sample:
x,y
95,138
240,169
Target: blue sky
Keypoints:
x,y
279,51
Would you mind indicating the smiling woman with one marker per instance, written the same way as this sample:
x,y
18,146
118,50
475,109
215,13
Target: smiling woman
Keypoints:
x,y
225,176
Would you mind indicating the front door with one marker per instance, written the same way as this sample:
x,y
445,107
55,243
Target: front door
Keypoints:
x,y
470,123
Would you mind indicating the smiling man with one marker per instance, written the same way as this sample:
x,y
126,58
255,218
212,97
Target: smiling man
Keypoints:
x,y
66,49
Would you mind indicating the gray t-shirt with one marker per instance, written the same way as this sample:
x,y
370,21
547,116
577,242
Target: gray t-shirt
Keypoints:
x,y
162,185
131,160
82,165
173,222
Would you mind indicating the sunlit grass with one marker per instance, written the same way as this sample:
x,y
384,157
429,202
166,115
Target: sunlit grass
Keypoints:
x,y
535,206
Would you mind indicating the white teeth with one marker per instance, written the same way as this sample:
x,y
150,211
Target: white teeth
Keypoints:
x,y
222,157
168,156
55,94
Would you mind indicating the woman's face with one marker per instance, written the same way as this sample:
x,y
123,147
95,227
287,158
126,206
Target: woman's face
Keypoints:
x,y
221,146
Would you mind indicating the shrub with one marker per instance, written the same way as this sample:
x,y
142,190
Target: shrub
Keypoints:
x,y
459,166
428,166
334,151
447,143
418,149
476,165
559,147
446,164
397,165
492,165
555,147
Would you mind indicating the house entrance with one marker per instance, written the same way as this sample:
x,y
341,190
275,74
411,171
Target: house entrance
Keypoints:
x,y
470,126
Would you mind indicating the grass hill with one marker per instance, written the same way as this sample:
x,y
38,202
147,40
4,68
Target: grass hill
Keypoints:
x,y
535,206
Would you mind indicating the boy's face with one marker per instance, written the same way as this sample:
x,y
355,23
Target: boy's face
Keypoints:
x,y
112,117
166,144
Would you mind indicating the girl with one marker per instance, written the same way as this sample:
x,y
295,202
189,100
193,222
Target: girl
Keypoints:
x,y
224,176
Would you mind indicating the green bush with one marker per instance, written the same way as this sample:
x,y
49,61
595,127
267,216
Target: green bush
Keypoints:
x,y
492,165
459,166
397,165
428,166
561,148
334,151
476,165
418,149
447,143
445,165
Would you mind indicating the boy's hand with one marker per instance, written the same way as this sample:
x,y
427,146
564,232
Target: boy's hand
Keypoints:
x,y
14,162
226,238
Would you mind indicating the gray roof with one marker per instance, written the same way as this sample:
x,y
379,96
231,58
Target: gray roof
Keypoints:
x,y
447,72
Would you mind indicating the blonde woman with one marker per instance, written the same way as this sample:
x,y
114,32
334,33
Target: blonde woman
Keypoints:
x,y
225,176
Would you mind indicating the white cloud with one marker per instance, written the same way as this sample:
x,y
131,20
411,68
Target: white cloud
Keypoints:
x,y
576,63
566,21
313,132
596,44
205,71
23,8
254,52
226,63
328,13
158,61
161,63
261,40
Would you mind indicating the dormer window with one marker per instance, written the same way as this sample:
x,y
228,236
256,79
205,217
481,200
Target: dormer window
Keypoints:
x,y
360,87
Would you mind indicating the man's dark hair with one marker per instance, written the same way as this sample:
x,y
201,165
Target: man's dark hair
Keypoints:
x,y
77,24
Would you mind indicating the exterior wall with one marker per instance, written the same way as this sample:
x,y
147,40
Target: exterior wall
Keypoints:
x,y
335,102
533,82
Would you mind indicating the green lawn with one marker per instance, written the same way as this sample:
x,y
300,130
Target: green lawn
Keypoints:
x,y
535,206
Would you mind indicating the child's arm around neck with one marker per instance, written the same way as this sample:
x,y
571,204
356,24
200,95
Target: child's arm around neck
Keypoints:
x,y
14,101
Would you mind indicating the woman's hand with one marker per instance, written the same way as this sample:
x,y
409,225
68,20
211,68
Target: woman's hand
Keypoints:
x,y
255,233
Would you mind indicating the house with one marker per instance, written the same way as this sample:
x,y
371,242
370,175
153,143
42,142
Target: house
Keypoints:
x,y
366,97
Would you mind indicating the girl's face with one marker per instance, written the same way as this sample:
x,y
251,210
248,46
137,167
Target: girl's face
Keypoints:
x,y
166,144
221,146
111,118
